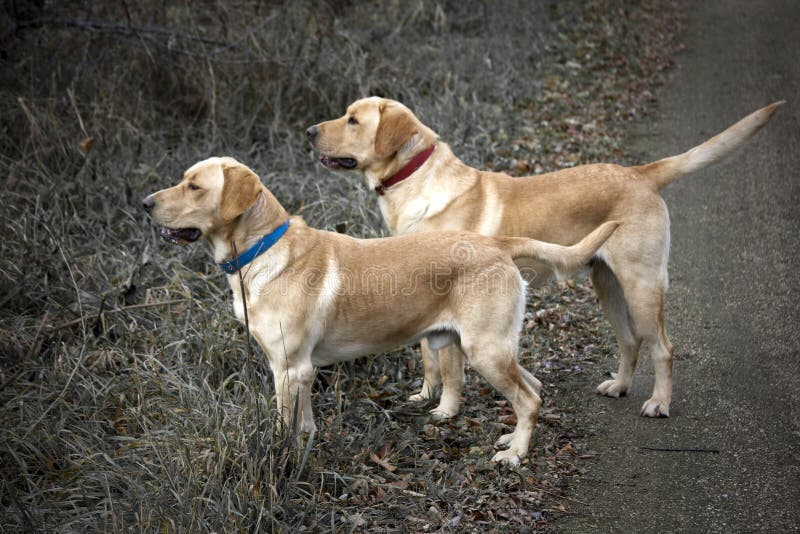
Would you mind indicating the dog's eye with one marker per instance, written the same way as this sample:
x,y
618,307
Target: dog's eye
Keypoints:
x,y
352,120
193,187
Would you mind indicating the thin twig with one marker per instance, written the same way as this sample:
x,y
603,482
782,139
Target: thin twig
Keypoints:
x,y
554,494
679,449
12,492
250,363
82,318
108,27
60,396
244,303
11,380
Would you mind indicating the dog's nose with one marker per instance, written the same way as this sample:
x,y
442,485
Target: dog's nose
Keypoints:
x,y
312,132
148,204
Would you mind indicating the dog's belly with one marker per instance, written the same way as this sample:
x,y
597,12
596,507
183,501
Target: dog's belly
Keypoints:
x,y
333,351
328,354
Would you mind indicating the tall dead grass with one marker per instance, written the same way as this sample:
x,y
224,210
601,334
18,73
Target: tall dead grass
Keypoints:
x,y
128,400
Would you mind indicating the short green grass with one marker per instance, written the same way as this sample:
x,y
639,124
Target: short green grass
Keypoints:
x,y
129,399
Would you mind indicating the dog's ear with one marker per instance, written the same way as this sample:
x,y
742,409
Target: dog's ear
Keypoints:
x,y
394,130
239,191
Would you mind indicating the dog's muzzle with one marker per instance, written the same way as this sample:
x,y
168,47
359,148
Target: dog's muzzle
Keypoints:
x,y
180,236
176,236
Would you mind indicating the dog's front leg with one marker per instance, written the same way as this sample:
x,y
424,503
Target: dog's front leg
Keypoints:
x,y
433,377
293,394
451,366
444,366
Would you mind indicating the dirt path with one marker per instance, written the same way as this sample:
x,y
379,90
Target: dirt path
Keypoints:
x,y
733,303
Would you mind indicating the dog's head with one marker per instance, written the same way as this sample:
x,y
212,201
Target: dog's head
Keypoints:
x,y
211,196
368,136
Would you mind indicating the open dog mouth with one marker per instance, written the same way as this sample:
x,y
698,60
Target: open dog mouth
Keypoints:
x,y
338,163
180,236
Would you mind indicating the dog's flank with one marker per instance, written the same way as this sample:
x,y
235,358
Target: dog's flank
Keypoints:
x,y
467,296
630,273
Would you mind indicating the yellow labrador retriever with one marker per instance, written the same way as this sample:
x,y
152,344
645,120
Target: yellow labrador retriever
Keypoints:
x,y
314,298
423,186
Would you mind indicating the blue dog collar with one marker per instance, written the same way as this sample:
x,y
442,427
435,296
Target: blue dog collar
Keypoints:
x,y
263,245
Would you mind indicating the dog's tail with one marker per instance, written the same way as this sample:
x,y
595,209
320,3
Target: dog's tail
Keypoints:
x,y
667,170
551,259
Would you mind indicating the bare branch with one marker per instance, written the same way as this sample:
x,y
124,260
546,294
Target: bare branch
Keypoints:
x,y
122,29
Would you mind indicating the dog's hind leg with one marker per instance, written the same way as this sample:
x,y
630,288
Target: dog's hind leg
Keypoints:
x,y
612,300
642,299
532,380
647,307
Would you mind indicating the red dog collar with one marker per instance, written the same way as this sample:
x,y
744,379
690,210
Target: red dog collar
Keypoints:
x,y
407,170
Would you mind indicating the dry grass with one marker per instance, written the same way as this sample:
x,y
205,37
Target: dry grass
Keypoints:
x,y
128,399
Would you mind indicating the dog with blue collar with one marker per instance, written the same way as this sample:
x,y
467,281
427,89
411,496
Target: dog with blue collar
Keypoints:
x,y
313,298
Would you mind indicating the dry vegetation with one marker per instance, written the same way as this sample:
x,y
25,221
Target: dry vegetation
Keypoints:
x,y
128,399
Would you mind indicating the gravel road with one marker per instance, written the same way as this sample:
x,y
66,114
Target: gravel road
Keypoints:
x,y
732,310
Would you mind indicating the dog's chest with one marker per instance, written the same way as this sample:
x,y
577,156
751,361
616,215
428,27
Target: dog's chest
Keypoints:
x,y
286,307
415,215
441,207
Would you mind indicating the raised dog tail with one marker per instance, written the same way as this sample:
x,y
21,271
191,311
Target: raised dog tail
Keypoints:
x,y
667,170
550,259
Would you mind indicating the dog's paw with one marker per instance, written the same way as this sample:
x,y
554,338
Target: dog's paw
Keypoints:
x,y
505,440
655,408
441,412
418,397
612,388
424,394
509,457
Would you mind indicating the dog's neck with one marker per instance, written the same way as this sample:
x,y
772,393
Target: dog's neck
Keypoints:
x,y
420,141
427,192
257,221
